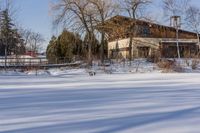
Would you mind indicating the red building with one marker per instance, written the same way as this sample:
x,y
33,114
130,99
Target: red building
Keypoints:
x,y
31,53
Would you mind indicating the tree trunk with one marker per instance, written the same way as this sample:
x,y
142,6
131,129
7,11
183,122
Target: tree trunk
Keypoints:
x,y
90,50
177,43
102,47
6,54
198,43
130,49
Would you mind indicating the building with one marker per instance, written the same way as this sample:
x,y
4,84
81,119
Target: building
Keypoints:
x,y
148,38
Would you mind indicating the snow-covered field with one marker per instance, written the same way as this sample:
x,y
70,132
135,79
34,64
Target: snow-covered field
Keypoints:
x,y
116,103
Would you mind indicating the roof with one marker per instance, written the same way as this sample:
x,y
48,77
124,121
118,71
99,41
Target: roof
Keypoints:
x,y
120,17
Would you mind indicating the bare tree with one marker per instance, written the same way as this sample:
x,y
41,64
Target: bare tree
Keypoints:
x,y
26,34
104,10
193,20
176,9
133,8
76,15
36,41
32,40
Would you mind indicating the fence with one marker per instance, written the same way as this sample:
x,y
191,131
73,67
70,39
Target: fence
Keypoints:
x,y
22,62
25,63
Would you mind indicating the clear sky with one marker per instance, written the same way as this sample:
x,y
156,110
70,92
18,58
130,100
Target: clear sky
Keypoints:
x,y
35,15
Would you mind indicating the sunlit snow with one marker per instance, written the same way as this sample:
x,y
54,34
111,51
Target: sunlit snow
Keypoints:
x,y
116,103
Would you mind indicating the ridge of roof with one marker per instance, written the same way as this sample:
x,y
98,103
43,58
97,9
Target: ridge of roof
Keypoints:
x,y
153,23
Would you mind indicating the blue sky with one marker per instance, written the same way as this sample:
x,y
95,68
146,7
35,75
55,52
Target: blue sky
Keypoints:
x,y
35,15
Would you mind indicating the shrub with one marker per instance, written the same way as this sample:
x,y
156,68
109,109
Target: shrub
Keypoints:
x,y
155,57
166,64
195,64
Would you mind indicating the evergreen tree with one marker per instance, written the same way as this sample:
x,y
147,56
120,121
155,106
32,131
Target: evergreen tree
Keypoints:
x,y
65,42
52,50
6,32
11,40
65,47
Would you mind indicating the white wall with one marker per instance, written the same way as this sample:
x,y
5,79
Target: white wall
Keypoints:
x,y
151,42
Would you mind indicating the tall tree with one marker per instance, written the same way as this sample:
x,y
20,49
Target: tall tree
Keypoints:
x,y
104,10
77,15
193,20
6,30
7,33
95,48
78,46
51,51
133,8
18,41
176,9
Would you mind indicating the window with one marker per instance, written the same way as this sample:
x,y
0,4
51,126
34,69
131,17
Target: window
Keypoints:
x,y
144,31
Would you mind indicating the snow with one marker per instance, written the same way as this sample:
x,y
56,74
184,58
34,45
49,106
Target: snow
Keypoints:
x,y
72,102
57,72
137,66
120,67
